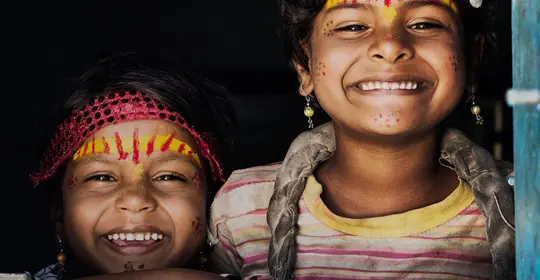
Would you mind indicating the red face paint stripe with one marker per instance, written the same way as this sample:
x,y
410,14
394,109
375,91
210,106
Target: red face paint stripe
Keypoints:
x,y
181,148
106,148
119,146
93,144
387,3
167,143
85,150
150,147
136,146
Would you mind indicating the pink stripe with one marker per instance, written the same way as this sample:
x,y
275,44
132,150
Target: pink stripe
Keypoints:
x,y
257,212
386,271
473,212
255,258
447,237
435,255
230,249
254,171
227,188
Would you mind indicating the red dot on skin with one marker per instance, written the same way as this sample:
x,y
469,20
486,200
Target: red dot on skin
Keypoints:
x,y
380,115
397,120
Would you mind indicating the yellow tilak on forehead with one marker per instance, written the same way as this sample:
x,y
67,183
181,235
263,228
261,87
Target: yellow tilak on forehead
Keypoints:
x,y
124,146
387,3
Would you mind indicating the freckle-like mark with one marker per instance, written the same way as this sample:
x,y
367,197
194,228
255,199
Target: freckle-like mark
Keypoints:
x,y
197,180
72,181
197,226
141,266
128,266
320,70
455,63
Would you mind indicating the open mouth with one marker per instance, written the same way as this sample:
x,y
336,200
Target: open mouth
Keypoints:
x,y
134,243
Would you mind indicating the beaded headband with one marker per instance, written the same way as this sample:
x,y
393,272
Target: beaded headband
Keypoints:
x,y
450,3
112,109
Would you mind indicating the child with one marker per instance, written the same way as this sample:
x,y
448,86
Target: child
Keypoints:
x,y
384,191
131,167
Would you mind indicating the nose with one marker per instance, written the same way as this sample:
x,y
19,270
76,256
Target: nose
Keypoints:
x,y
136,199
390,49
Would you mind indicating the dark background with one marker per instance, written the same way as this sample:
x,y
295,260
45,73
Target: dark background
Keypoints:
x,y
236,43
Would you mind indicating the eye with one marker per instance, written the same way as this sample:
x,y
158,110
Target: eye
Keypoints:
x,y
425,26
353,28
101,178
170,177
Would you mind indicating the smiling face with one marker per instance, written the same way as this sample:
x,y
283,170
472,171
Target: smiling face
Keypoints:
x,y
386,68
134,198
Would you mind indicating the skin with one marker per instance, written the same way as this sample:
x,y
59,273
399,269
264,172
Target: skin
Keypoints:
x,y
103,193
386,144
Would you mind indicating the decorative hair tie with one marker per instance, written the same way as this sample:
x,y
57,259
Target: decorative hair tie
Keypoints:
x,y
112,109
476,3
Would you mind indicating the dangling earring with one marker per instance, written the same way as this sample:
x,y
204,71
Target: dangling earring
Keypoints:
x,y
308,110
475,109
61,257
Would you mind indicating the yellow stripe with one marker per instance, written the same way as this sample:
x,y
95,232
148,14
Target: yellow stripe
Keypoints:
x,y
398,225
127,146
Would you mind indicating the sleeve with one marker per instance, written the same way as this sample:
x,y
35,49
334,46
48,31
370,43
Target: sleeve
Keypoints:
x,y
224,257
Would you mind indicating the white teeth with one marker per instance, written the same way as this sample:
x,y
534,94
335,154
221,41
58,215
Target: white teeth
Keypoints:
x,y
387,85
139,236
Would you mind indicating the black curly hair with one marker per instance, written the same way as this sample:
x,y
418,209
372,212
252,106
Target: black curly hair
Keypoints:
x,y
297,17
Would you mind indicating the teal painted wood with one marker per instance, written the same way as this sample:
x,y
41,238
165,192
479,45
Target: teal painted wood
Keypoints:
x,y
526,75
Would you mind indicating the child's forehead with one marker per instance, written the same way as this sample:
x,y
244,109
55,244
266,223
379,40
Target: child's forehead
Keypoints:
x,y
386,3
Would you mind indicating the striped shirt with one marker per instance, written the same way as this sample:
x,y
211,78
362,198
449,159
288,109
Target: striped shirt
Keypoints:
x,y
446,240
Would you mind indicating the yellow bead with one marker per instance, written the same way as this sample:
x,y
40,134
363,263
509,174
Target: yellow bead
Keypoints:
x,y
475,109
308,111
61,258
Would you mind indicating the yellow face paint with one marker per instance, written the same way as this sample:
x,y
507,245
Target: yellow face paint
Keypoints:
x,y
124,146
389,13
386,3
138,169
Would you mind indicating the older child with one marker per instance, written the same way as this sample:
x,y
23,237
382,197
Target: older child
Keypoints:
x,y
384,191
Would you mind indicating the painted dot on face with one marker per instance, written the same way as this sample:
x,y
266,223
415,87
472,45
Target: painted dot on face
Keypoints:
x,y
141,266
197,227
455,63
128,266
72,182
386,119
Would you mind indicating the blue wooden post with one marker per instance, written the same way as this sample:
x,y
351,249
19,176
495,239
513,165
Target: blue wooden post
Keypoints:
x,y
526,108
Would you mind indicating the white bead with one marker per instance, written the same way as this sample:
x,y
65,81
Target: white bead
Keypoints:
x,y
476,3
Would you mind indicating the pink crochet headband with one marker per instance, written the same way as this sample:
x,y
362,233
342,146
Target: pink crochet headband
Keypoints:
x,y
112,109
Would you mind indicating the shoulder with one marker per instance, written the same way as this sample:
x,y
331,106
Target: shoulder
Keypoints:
x,y
246,190
48,273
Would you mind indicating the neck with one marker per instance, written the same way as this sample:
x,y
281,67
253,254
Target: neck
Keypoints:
x,y
400,173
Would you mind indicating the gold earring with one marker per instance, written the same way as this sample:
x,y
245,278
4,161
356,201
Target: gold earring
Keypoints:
x,y
475,109
61,257
308,110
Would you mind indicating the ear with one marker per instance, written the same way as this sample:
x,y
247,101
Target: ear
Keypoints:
x,y
476,55
304,75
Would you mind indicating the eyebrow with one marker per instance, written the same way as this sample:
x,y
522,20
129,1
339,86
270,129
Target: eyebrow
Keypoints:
x,y
361,6
170,156
423,3
92,158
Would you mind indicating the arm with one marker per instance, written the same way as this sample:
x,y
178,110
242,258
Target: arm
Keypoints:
x,y
162,274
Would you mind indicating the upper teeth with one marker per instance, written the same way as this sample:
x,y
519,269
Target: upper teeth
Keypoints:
x,y
388,85
139,236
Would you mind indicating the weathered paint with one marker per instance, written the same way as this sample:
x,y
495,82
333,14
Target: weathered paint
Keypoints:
x,y
526,75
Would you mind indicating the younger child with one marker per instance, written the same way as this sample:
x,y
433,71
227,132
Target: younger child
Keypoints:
x,y
384,191
131,167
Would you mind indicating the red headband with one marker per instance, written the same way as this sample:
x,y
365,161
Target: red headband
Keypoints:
x,y
107,110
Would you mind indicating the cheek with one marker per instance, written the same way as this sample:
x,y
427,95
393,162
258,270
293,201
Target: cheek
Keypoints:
x,y
188,215
79,223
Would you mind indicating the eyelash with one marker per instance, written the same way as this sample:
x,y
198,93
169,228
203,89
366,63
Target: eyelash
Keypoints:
x,y
97,177
173,177
427,25
352,27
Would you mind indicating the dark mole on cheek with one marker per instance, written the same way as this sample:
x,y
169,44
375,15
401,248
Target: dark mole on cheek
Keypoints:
x,y
455,63
141,266
197,226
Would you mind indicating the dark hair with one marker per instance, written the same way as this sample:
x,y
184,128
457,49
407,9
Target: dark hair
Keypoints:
x,y
297,17
201,103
